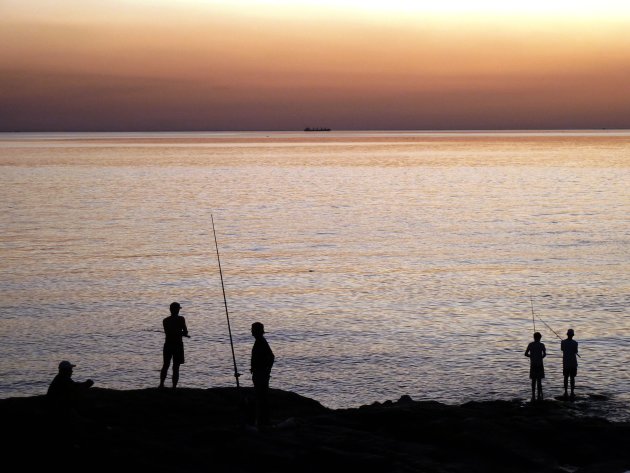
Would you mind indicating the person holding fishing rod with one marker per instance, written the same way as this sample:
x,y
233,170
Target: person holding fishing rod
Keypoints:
x,y
570,354
174,329
536,351
569,349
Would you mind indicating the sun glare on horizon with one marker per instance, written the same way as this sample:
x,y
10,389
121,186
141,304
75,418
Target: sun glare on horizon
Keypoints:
x,y
563,7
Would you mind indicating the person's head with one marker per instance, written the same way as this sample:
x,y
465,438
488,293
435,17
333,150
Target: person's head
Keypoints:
x,y
258,329
570,333
65,367
175,308
537,336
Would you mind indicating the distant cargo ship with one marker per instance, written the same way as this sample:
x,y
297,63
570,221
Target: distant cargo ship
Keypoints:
x,y
316,129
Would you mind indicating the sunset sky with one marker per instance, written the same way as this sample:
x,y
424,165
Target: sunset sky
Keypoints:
x,y
140,65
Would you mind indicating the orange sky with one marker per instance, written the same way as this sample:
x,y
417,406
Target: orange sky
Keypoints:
x,y
265,65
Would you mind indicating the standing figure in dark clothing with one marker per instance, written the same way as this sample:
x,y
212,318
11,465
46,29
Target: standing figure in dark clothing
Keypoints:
x,y
536,351
64,392
174,329
261,364
569,349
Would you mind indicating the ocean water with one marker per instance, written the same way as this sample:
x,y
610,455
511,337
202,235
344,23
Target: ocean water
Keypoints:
x,y
381,263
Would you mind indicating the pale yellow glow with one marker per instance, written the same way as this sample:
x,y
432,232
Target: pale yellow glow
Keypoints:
x,y
442,5
611,9
560,7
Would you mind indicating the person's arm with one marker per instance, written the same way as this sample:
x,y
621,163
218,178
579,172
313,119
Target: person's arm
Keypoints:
x,y
184,328
270,358
88,383
527,351
77,388
544,350
252,359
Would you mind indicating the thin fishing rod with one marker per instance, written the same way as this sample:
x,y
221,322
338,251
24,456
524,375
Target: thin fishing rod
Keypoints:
x,y
546,325
533,319
532,301
227,315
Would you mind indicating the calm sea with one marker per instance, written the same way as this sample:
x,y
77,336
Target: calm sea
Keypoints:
x,y
381,263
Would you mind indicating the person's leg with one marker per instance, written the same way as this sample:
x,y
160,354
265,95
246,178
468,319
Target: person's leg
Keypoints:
x,y
258,392
566,385
178,360
533,389
165,365
265,406
261,388
540,391
572,386
175,374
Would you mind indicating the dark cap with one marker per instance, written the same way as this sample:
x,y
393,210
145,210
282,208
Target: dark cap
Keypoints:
x,y
257,327
175,306
65,365
570,332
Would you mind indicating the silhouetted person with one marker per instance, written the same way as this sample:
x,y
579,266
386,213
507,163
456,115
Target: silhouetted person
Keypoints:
x,y
174,329
65,399
261,364
64,392
536,351
569,349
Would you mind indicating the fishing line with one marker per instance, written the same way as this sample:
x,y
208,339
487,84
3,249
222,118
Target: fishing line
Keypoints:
x,y
546,325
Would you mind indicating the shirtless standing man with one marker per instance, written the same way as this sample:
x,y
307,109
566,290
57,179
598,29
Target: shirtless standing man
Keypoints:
x,y
174,329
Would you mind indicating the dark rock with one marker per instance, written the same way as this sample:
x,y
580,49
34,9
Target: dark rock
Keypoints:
x,y
196,430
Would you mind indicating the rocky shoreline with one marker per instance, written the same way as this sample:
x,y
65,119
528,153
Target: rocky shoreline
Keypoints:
x,y
210,430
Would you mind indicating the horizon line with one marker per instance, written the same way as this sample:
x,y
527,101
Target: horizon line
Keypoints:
x,y
373,130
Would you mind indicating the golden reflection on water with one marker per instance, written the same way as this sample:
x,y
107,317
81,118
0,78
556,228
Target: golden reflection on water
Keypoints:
x,y
381,264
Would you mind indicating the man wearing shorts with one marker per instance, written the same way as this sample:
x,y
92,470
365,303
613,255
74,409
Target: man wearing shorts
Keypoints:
x,y
174,329
569,349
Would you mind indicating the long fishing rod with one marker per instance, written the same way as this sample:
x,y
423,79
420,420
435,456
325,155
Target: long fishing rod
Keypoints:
x,y
533,319
227,315
546,325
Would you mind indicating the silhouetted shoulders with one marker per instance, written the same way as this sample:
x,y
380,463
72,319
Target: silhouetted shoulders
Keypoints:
x,y
536,352
569,349
174,328
262,355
